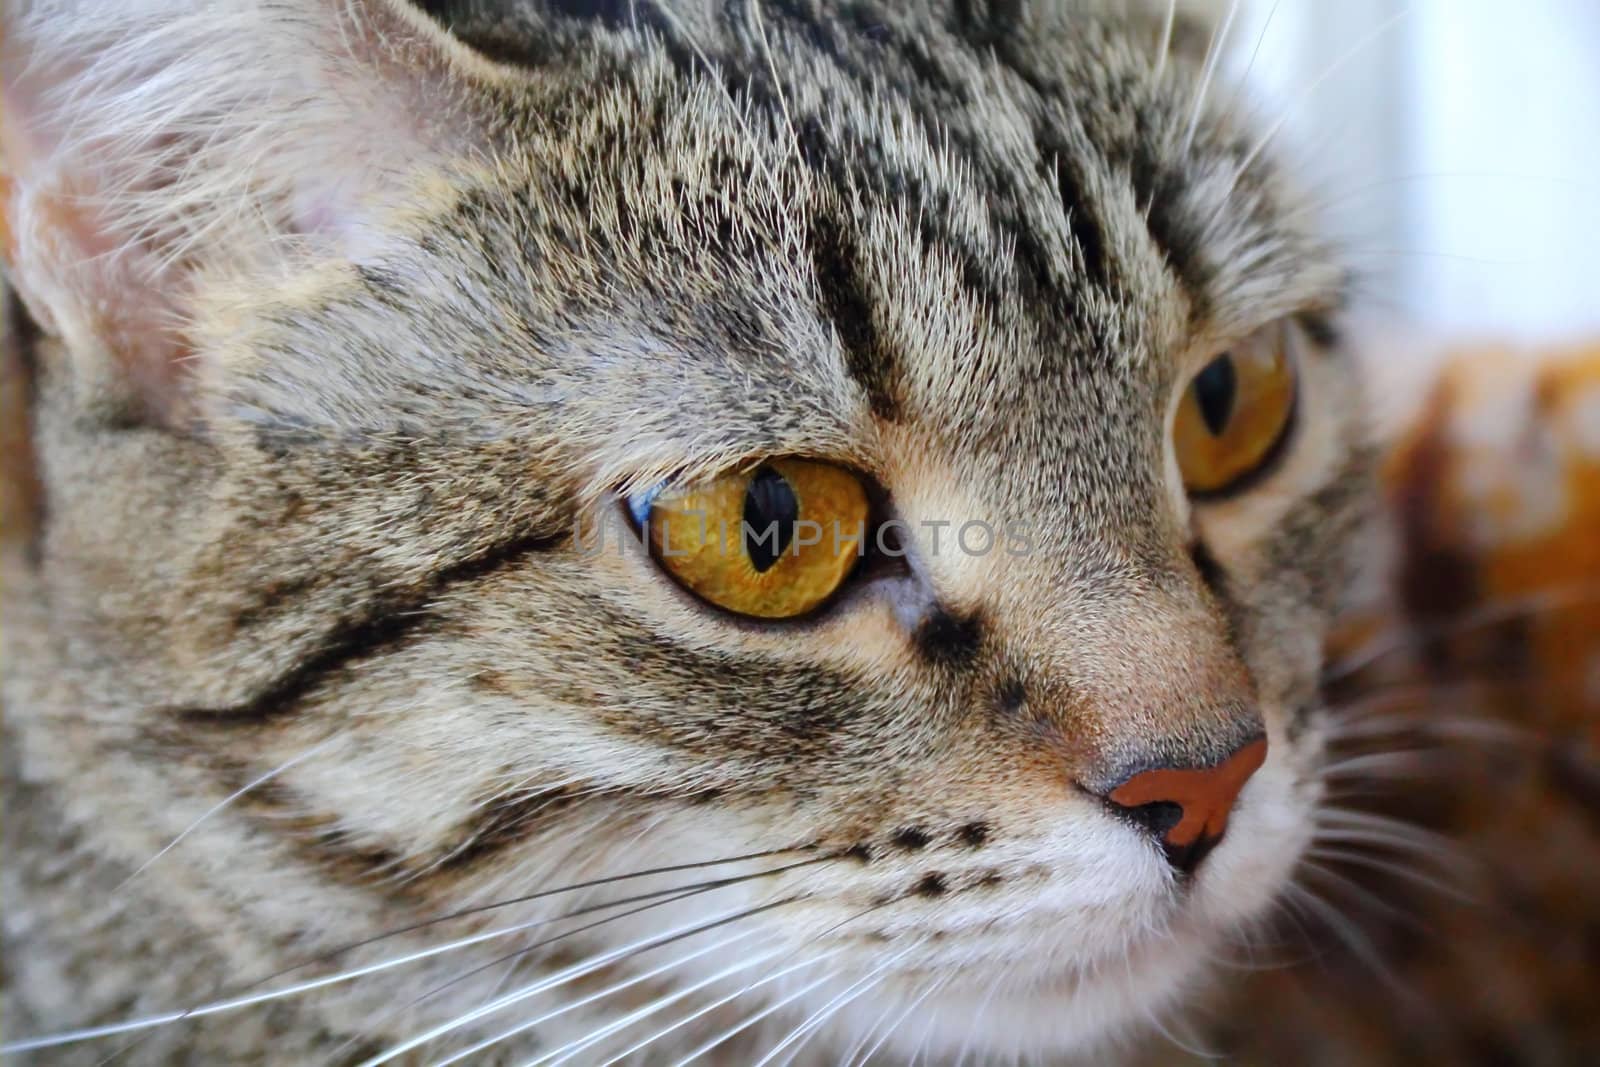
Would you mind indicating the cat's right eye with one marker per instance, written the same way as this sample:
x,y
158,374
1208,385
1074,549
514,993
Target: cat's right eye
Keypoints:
x,y
1235,412
773,542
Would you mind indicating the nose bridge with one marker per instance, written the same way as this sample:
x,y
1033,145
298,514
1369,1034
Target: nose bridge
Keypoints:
x,y
1162,710
1150,680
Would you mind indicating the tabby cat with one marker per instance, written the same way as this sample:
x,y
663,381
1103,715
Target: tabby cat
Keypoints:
x,y
398,666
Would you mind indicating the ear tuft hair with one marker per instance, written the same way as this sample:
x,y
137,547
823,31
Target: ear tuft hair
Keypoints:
x,y
145,141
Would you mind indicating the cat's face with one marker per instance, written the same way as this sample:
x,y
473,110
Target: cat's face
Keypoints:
x,y
975,270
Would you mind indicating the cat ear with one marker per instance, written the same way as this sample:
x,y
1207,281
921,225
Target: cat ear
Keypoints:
x,y
144,142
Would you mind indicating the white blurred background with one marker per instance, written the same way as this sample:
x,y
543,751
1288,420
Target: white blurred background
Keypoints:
x,y
1458,146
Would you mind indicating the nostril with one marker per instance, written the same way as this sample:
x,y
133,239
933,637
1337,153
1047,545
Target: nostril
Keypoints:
x,y
1158,817
1186,808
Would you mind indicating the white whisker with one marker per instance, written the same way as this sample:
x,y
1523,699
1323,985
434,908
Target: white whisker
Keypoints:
x,y
706,1009
1358,891
777,1005
1399,870
1213,60
1255,53
614,988
1164,45
977,1016
1352,937
911,1008
564,976
679,1023
235,1003
1445,727
850,993
1508,610
1447,857
187,830
1310,90
1399,763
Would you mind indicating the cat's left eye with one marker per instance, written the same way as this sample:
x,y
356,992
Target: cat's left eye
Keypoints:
x,y
1234,413
773,542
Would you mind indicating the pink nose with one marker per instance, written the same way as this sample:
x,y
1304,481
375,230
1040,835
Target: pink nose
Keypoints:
x,y
1187,808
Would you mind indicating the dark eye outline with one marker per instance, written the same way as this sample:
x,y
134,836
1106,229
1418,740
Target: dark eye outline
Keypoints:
x,y
872,565
1272,459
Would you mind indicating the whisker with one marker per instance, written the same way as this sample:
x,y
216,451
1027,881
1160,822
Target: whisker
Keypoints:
x,y
1153,1017
933,987
777,1005
628,1020
522,953
1357,942
832,1007
249,999
1290,903
1391,699
1447,728
1165,44
1208,71
714,1005
754,985
216,1007
672,896
1402,831
1449,859
187,830
1338,198
772,71
1191,1046
612,989
1255,53
1359,892
542,894
1355,50
757,155
1399,763
977,1016
1384,645
1377,863
569,974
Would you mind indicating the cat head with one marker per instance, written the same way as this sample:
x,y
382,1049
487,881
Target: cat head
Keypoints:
x,y
363,332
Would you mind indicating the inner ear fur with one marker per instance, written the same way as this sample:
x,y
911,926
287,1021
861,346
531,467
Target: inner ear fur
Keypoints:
x,y
147,146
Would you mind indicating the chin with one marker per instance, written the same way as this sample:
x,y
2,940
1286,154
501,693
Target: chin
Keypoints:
x,y
1077,1016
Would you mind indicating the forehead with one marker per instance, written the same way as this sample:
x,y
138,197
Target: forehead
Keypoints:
x,y
845,228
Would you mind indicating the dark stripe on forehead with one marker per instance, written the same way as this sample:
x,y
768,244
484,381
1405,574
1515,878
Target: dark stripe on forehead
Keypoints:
x,y
1157,193
1088,234
935,92
979,265
835,262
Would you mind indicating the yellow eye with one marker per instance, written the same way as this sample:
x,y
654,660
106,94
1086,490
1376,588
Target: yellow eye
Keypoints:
x,y
773,542
1234,413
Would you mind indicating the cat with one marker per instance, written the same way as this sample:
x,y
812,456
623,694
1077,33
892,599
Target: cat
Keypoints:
x,y
358,324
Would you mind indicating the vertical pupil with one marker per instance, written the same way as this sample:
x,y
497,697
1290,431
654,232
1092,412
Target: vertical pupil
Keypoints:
x,y
770,512
1215,388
